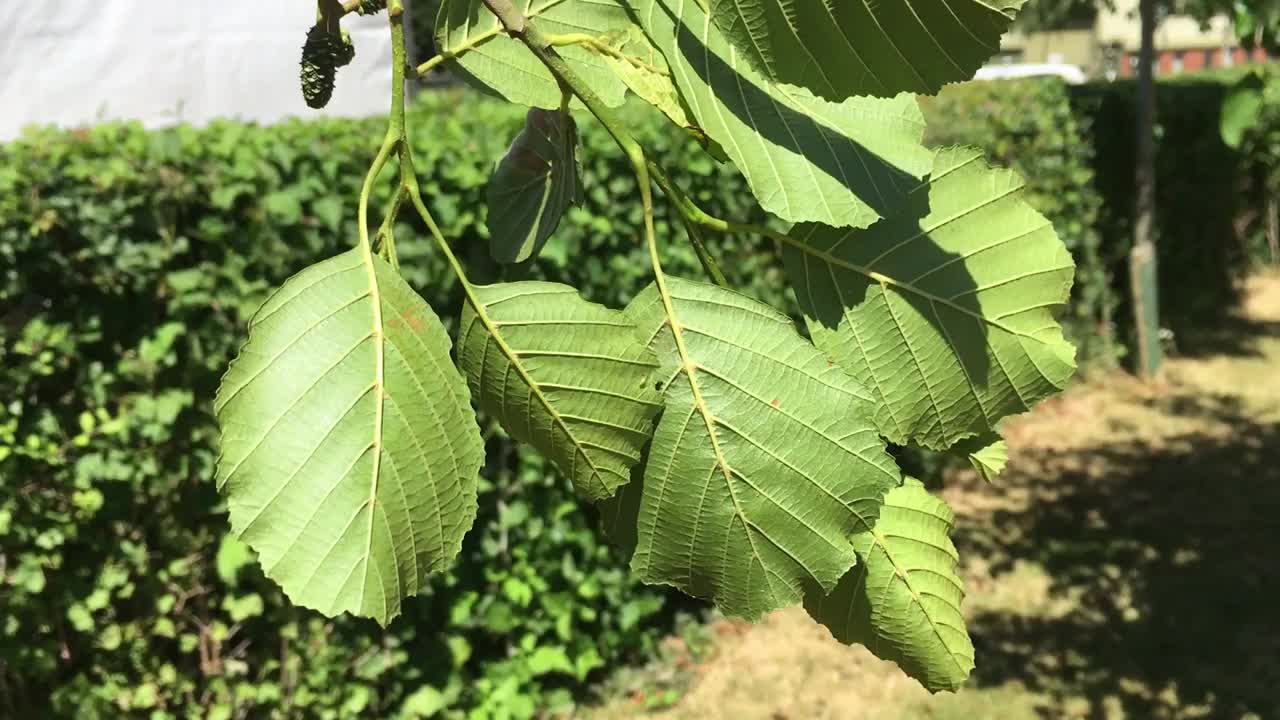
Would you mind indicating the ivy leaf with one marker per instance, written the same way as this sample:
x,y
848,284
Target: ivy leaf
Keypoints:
x,y
1241,109
569,377
533,185
843,164
902,599
474,40
349,449
839,49
944,308
765,459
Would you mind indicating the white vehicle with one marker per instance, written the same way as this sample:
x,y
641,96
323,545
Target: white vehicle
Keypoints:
x,y
1071,74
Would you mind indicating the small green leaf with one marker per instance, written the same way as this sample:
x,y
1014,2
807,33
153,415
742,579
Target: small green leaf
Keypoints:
x,y
533,185
232,555
839,49
765,459
550,659
944,309
349,449
987,453
1241,109
570,377
902,599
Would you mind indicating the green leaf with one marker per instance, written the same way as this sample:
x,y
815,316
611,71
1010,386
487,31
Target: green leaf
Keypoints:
x,y
349,449
945,308
805,158
497,63
533,185
839,49
987,453
764,461
902,599
1241,109
570,377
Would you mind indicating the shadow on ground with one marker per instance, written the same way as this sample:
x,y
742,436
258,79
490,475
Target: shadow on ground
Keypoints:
x,y
1165,549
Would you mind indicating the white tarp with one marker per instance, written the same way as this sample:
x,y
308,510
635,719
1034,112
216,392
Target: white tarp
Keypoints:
x,y
78,62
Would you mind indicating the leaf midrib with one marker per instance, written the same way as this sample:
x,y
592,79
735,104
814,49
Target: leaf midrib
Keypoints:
x,y
379,387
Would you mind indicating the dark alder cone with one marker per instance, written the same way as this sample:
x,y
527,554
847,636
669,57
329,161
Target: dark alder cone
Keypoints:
x,y
320,55
346,51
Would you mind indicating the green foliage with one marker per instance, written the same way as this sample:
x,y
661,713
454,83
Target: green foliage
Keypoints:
x,y
344,397
533,185
857,48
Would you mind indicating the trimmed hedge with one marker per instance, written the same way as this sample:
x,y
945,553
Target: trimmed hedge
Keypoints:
x,y
1202,189
130,262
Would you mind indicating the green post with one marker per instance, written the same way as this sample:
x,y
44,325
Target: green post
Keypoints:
x,y
1146,304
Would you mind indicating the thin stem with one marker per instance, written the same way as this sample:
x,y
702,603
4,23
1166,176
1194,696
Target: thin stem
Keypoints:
x,y
705,258
690,211
379,161
470,44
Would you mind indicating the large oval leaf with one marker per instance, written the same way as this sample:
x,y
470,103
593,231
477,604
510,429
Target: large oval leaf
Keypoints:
x,y
349,450
570,377
839,49
474,39
764,462
902,599
945,308
843,164
533,185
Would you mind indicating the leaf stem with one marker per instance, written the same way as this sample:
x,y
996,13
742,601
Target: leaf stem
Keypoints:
x,y
379,162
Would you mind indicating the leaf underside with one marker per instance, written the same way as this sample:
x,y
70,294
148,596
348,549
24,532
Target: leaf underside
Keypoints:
x,y
502,65
902,599
570,377
945,308
349,449
763,463
840,49
533,185
806,159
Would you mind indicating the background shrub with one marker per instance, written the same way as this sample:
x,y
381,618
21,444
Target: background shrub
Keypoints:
x,y
130,262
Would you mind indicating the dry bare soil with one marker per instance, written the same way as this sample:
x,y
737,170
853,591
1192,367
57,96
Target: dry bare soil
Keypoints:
x,y
1126,565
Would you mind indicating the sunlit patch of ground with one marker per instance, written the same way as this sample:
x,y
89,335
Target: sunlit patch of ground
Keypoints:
x,y
1127,565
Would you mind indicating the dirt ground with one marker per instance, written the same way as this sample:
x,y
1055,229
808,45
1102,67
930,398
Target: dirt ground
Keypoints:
x,y
1126,565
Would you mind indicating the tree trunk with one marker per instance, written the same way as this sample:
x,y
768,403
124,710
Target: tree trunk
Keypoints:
x,y
1142,258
